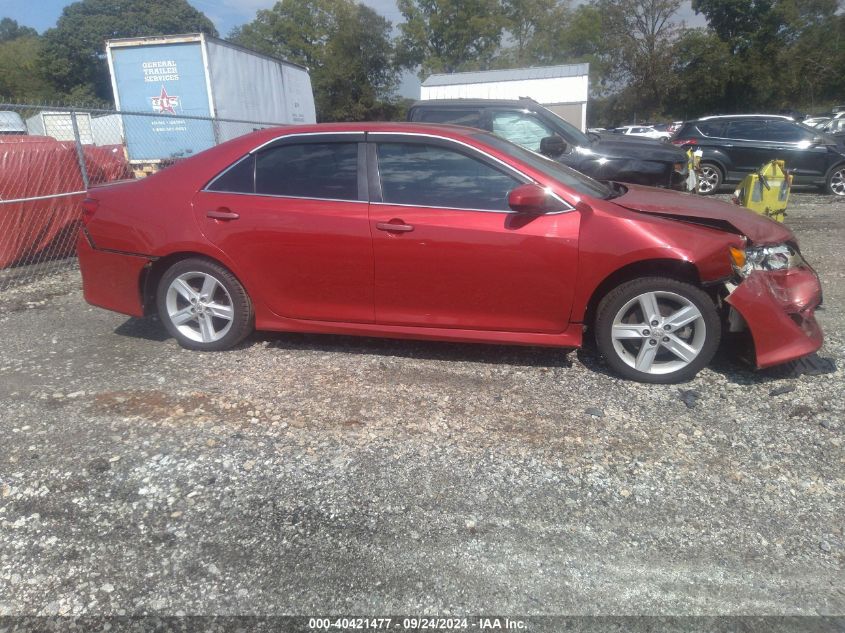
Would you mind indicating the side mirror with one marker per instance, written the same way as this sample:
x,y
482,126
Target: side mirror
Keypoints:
x,y
552,146
531,199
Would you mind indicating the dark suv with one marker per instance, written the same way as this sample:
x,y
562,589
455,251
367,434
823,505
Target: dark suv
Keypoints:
x,y
525,122
733,146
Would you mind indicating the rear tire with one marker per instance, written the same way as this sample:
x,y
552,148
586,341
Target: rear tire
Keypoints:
x,y
710,179
203,305
657,330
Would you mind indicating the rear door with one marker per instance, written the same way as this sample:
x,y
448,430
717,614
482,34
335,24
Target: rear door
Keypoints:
x,y
293,218
450,253
748,145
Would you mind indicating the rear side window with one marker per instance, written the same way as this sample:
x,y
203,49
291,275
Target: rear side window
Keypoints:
x,y
434,176
238,178
710,128
309,170
749,130
470,118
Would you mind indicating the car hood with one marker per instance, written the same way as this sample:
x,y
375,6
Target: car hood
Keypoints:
x,y
696,209
617,146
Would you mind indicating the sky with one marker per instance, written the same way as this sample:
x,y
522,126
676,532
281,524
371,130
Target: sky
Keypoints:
x,y
227,14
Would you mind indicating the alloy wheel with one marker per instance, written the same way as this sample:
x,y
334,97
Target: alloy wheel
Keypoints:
x,y
709,180
658,332
837,182
199,307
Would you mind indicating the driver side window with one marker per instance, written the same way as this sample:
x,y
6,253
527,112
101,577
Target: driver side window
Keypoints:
x,y
788,132
520,128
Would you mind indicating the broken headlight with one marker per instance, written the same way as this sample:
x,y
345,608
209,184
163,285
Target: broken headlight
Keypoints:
x,y
767,258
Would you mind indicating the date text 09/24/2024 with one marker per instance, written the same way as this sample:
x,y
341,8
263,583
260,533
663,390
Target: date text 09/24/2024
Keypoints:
x,y
418,624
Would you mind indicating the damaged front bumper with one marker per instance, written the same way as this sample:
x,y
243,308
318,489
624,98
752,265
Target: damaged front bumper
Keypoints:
x,y
778,308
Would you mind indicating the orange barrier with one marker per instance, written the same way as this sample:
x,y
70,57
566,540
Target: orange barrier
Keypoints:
x,y
41,189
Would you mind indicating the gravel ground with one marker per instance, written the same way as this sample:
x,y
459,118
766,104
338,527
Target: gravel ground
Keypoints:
x,y
320,474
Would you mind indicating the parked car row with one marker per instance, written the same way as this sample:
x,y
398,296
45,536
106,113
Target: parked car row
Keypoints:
x,y
731,146
647,131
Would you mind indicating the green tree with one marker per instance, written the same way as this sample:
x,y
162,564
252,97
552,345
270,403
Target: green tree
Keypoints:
x,y
74,50
810,52
449,35
578,35
640,35
703,65
11,30
529,25
785,53
345,45
20,70
736,22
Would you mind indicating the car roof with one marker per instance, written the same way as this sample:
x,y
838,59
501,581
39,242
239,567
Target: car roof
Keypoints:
x,y
267,135
475,103
716,117
373,126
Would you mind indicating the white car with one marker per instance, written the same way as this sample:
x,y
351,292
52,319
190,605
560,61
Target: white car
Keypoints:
x,y
816,121
642,130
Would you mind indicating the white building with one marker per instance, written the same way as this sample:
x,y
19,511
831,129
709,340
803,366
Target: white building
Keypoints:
x,y
562,89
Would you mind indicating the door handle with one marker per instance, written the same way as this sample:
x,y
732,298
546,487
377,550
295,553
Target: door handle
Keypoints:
x,y
394,226
222,214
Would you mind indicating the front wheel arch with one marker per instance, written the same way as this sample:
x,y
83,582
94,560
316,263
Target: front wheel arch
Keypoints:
x,y
657,330
670,268
830,186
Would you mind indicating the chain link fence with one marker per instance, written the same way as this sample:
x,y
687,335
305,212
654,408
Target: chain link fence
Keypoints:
x,y
50,155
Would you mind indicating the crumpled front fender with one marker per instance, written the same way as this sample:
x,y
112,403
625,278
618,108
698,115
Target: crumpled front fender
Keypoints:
x,y
779,307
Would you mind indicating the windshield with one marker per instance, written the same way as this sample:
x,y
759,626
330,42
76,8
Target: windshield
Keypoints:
x,y
561,173
577,136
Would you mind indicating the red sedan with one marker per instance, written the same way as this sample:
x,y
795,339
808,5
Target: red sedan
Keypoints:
x,y
445,233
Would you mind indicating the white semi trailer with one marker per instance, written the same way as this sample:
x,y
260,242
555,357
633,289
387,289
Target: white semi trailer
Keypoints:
x,y
178,83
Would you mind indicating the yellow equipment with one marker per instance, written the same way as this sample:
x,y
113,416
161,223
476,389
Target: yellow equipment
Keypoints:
x,y
766,191
693,169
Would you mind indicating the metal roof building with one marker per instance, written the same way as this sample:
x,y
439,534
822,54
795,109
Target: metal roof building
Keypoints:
x,y
563,89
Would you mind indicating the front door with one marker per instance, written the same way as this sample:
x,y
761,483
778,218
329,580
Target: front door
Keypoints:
x,y
794,145
293,217
449,252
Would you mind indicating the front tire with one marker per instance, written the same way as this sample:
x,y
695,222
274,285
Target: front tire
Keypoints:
x,y
203,305
657,330
710,179
835,184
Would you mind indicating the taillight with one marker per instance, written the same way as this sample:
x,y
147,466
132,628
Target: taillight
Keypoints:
x,y
685,141
89,208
